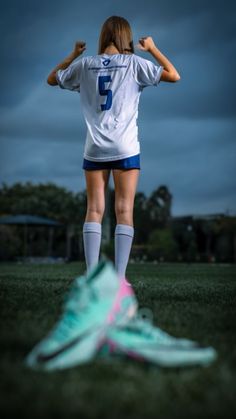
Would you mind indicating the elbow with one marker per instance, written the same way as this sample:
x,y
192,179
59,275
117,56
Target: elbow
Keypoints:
x,y
170,76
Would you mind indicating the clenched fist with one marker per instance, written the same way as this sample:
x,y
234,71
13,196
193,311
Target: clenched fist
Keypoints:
x,y
79,48
146,43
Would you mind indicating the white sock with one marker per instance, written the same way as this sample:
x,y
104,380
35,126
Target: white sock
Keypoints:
x,y
92,233
123,241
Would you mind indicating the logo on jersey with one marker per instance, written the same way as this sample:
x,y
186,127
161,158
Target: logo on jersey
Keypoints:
x,y
106,62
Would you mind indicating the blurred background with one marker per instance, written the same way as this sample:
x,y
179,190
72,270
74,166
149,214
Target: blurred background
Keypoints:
x,y
185,207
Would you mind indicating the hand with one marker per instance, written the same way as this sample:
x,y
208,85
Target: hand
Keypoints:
x,y
146,43
79,48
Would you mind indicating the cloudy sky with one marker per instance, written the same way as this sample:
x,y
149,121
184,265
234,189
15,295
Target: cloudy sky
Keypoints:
x,y
187,129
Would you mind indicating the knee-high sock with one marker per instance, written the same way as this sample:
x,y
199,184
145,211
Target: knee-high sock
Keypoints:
x,y
92,233
123,241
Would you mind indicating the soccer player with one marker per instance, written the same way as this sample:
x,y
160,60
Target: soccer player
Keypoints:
x,y
110,84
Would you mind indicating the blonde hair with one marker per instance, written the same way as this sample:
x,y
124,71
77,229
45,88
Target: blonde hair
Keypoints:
x,y
117,31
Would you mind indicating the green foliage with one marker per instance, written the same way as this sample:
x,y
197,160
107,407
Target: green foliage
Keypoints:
x,y
182,239
159,207
46,200
162,245
10,243
224,248
141,218
108,249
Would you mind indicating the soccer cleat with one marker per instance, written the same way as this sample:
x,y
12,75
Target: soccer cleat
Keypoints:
x,y
93,303
140,340
127,282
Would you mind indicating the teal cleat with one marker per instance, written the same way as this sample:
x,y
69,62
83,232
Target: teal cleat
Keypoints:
x,y
95,302
140,340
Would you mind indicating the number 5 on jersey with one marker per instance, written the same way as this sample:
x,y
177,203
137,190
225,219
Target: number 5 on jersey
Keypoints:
x,y
105,92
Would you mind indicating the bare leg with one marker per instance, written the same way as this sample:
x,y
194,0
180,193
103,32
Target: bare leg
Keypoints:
x,y
125,182
96,182
125,188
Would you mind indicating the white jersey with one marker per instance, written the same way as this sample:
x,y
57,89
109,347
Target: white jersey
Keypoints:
x,y
110,87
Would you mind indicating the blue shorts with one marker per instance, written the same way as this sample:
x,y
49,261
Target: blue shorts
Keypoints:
x,y
132,162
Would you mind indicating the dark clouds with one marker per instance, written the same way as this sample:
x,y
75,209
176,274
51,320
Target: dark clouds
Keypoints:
x,y
187,129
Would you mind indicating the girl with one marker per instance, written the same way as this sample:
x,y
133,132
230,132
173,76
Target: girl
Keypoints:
x,y
110,84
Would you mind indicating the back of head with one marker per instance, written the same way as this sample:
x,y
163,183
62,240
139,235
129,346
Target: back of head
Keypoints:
x,y
116,31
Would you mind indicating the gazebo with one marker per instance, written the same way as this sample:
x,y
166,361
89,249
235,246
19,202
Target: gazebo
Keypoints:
x,y
27,220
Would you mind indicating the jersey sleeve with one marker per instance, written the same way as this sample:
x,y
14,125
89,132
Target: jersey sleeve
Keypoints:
x,y
147,73
70,78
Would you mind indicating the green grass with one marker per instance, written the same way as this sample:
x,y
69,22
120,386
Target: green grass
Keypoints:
x,y
196,301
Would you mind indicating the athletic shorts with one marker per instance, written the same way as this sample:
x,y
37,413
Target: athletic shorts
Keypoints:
x,y
132,162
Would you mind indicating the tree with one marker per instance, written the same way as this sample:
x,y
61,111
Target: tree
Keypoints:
x,y
11,244
50,201
159,207
46,200
141,218
162,245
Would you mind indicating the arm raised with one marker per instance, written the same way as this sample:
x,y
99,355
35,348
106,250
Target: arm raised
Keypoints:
x,y
78,50
169,73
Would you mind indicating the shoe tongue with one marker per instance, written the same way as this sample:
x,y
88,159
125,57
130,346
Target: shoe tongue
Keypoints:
x,y
106,282
96,270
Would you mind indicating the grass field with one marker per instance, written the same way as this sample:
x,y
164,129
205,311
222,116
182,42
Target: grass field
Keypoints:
x,y
197,301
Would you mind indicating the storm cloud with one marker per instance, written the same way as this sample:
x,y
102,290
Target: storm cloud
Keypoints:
x,y
187,129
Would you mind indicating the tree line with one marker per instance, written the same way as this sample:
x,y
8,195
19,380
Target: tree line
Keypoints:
x,y
158,235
